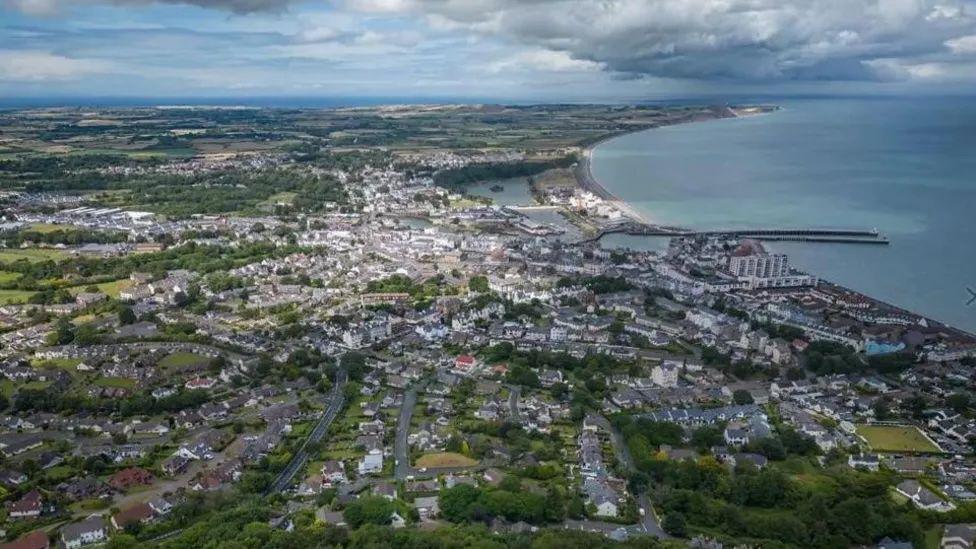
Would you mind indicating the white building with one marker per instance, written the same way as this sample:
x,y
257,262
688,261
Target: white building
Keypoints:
x,y
371,462
665,375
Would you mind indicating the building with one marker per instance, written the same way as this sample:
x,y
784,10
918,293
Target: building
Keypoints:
x,y
140,512
133,476
427,507
958,536
922,497
371,463
88,531
665,375
27,507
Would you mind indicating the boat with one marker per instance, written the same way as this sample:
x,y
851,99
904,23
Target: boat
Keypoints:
x,y
496,188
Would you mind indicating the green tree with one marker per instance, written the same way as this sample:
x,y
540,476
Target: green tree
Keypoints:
x,y
675,524
126,315
368,510
478,284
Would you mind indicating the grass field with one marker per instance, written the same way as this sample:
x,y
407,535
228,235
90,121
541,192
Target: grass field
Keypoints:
x,y
9,255
116,382
9,297
44,228
445,459
894,438
7,276
111,288
64,363
178,361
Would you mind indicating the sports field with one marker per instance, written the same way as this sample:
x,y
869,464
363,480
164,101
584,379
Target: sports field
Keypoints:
x,y
896,438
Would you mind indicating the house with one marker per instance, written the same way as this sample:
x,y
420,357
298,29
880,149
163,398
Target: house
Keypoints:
x,y
870,462
160,506
465,363
88,531
33,540
371,463
133,476
603,496
958,536
922,497
385,489
27,507
138,513
333,473
427,507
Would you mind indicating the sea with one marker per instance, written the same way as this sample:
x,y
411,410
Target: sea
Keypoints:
x,y
903,166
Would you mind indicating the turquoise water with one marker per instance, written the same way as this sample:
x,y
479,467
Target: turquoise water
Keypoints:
x,y
904,166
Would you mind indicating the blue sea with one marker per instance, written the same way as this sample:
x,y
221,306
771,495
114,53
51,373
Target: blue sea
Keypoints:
x,y
906,167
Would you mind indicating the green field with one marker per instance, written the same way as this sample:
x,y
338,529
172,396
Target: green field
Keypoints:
x,y
116,382
445,459
111,288
33,255
894,438
48,227
10,297
178,361
68,364
7,276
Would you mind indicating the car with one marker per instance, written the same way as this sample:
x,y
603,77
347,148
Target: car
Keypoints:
x,y
642,513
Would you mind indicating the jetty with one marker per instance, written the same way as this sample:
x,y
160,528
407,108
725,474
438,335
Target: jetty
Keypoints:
x,y
837,236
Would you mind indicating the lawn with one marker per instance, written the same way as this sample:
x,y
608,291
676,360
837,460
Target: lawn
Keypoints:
x,y
64,363
111,288
116,382
45,228
179,361
12,297
894,438
8,276
33,255
445,459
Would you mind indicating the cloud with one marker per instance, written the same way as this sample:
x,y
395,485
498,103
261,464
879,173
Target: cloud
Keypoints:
x,y
543,61
38,66
749,40
963,45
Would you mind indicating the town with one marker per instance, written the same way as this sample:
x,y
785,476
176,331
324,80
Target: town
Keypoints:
x,y
360,342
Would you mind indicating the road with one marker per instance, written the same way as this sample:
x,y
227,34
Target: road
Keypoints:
x,y
514,393
648,523
401,450
333,405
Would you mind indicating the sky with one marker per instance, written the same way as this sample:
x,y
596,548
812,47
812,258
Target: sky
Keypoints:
x,y
574,50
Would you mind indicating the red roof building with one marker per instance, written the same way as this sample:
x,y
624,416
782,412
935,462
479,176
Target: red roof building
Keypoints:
x,y
464,362
27,507
140,512
133,476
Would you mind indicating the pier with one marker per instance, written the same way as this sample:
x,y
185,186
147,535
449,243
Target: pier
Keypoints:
x,y
836,236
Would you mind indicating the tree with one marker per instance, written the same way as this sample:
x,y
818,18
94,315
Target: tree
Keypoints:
x,y
126,316
959,402
368,510
741,396
478,284
675,524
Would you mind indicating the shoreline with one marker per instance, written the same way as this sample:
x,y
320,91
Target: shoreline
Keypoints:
x,y
587,181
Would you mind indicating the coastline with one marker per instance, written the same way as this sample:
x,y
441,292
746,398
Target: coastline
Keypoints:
x,y
587,181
